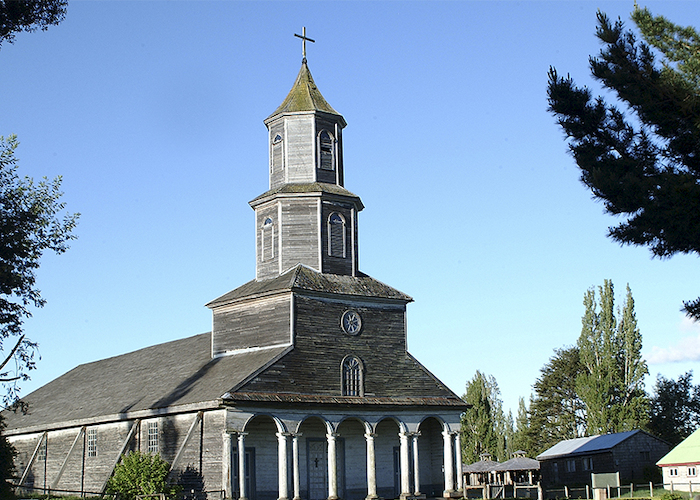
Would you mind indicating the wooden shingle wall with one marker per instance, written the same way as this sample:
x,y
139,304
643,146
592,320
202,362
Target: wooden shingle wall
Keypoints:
x,y
201,458
239,326
301,148
299,232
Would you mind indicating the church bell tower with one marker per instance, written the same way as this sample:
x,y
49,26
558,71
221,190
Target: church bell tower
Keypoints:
x,y
307,216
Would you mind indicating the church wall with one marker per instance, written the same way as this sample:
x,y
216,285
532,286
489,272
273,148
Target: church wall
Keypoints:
x,y
299,232
355,460
267,239
238,326
277,155
317,330
301,148
199,466
338,265
385,444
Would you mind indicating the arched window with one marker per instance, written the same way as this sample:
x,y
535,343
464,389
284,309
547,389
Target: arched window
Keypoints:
x,y
336,235
325,150
352,383
267,239
277,158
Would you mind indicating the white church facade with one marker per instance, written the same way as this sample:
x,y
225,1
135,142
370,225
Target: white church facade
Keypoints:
x,y
304,388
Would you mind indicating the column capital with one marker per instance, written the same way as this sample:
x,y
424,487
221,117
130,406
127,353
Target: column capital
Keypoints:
x,y
370,435
283,434
332,435
415,435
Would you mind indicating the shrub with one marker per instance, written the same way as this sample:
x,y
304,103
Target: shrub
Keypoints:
x,y
141,474
673,495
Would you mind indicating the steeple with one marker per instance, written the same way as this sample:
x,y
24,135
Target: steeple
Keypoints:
x,y
307,216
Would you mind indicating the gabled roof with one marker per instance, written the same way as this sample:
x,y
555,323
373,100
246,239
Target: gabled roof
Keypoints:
x,y
585,445
688,451
304,96
303,278
175,373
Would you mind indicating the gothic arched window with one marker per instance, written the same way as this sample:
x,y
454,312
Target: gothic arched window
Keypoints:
x,y
336,235
325,150
267,239
352,379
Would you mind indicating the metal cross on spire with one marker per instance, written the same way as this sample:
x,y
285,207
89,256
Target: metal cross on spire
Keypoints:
x,y
303,41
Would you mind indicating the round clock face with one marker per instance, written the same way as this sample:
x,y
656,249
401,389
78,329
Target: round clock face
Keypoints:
x,y
351,322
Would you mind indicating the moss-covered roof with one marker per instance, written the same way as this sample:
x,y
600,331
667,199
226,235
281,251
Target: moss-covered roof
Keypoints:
x,y
311,187
687,452
301,278
304,96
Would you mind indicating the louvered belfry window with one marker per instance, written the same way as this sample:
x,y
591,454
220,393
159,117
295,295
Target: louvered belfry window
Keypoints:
x,y
277,156
352,377
336,235
325,148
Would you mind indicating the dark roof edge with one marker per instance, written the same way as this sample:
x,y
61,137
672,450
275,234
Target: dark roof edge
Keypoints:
x,y
115,417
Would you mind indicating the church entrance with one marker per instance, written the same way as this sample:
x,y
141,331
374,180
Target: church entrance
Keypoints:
x,y
317,465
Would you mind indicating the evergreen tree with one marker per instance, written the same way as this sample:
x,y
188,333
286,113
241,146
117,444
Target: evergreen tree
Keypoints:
x,y
522,435
611,383
675,408
642,162
556,410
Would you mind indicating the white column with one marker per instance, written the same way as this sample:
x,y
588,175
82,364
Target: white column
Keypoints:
x,y
449,464
226,462
242,493
458,456
282,466
404,459
332,469
295,466
416,465
371,468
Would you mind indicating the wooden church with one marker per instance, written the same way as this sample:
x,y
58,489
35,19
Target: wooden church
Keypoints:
x,y
303,389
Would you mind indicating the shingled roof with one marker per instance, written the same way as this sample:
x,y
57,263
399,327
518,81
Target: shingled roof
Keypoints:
x,y
303,278
304,96
308,188
175,373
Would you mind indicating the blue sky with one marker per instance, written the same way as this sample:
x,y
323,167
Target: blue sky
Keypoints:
x,y
152,113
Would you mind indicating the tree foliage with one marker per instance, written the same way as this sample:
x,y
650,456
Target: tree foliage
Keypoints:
x,y
611,385
7,465
28,15
642,160
675,408
485,428
141,474
556,410
32,221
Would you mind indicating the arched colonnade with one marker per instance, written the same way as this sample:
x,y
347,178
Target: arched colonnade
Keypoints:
x,y
317,457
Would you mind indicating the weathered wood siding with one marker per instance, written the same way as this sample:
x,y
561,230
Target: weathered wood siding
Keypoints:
x,y
313,367
299,227
301,148
267,241
238,326
277,155
199,467
338,265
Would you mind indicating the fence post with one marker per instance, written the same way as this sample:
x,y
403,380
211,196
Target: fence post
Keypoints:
x,y
587,493
608,487
651,489
566,492
631,490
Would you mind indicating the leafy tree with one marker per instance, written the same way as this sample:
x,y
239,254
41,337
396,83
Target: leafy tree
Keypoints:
x,y
32,220
478,432
28,15
7,465
675,408
522,435
141,474
556,410
643,160
611,383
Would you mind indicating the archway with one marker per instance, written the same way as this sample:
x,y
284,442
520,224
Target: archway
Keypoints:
x,y
431,453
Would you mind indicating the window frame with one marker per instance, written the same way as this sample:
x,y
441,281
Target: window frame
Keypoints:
x,y
332,236
153,437
352,376
92,442
326,158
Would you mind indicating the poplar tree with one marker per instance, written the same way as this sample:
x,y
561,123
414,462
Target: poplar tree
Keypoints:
x,y
478,426
611,383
